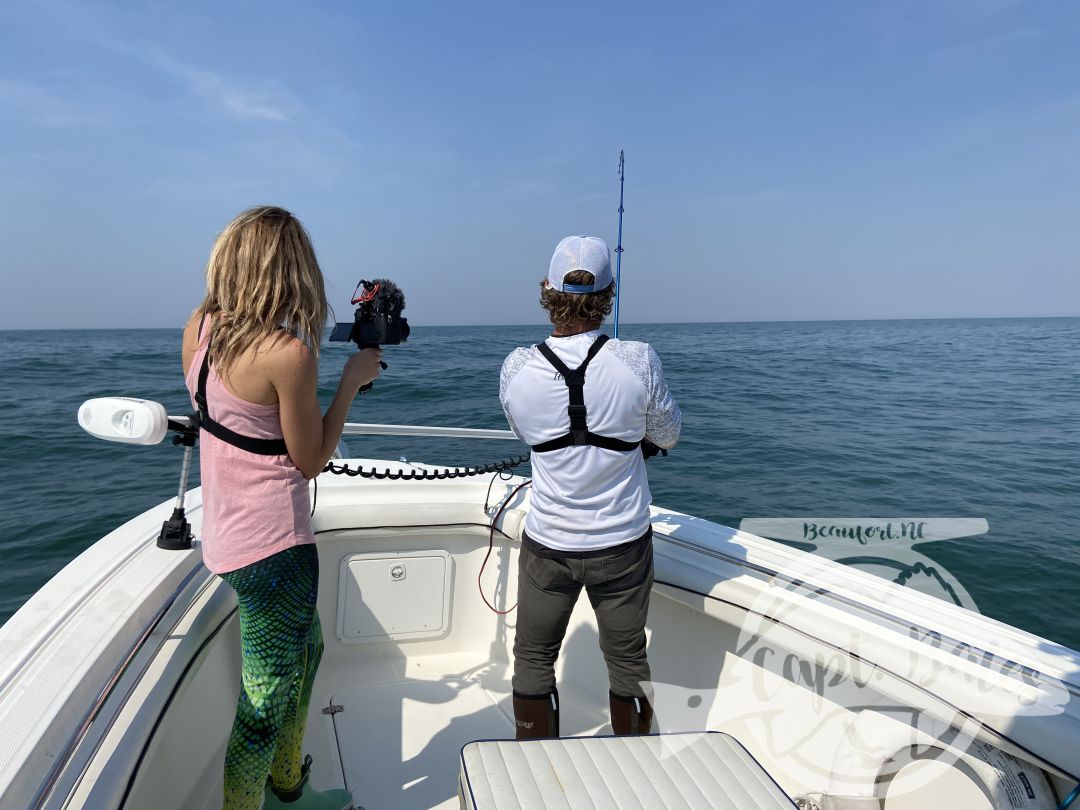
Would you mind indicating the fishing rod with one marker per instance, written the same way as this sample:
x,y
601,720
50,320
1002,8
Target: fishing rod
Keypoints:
x,y
618,249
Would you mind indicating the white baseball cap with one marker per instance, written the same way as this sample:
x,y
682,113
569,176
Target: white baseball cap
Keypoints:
x,y
588,253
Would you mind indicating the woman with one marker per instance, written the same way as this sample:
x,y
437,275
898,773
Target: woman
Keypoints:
x,y
250,355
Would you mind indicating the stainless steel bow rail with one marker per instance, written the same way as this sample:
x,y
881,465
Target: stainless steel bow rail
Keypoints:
x,y
130,420
425,431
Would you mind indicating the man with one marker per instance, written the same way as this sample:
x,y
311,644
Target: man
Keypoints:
x,y
591,408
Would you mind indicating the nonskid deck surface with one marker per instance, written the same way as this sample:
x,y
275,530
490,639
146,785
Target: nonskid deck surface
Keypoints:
x,y
400,742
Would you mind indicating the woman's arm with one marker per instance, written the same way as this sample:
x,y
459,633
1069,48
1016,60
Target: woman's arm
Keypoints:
x,y
310,435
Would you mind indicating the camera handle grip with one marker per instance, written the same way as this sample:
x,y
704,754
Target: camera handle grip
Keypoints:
x,y
368,386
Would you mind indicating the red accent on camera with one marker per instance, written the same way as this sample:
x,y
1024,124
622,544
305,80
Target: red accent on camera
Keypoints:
x,y
368,294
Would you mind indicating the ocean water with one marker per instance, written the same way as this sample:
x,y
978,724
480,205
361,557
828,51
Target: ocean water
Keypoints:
x,y
868,419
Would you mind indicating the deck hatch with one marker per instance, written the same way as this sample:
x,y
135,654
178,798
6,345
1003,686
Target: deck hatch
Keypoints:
x,y
392,597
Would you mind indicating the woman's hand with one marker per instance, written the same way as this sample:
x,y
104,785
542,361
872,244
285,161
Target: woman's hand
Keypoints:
x,y
362,367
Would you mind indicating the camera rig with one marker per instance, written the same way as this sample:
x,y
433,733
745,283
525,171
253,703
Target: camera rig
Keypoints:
x,y
377,321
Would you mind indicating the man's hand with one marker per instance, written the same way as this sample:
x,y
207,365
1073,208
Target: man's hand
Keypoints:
x,y
648,449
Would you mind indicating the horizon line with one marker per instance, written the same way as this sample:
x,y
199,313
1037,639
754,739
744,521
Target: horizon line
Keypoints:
x,y
897,318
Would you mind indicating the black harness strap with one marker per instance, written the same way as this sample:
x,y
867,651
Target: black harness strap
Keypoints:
x,y
262,447
575,381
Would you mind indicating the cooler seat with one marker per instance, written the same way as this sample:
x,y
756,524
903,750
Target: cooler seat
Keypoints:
x,y
703,770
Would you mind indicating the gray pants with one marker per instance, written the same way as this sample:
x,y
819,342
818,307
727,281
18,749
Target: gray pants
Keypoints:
x,y
618,581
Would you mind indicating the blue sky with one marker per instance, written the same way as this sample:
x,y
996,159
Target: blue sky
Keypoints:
x,y
785,160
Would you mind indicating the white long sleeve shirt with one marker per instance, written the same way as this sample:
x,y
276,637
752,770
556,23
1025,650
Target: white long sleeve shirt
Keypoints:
x,y
585,497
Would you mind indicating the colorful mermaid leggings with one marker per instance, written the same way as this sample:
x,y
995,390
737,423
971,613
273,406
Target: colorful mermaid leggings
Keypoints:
x,y
282,643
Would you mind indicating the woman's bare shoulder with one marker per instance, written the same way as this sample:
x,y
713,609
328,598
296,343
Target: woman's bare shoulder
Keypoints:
x,y
286,355
190,340
191,331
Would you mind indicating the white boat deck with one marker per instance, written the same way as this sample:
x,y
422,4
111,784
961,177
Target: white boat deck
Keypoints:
x,y
399,742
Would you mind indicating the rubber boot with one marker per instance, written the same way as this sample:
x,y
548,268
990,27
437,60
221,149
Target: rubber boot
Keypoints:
x,y
536,716
630,715
305,797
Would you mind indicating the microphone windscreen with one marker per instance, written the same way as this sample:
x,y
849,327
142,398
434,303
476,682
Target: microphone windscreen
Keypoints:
x,y
389,296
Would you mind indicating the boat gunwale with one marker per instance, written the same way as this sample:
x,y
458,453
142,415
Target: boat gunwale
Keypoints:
x,y
986,658
68,752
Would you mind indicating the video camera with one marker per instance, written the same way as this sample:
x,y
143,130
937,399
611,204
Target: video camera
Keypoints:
x,y
378,320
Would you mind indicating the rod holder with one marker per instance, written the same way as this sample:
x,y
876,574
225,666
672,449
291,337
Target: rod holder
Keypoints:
x,y
175,532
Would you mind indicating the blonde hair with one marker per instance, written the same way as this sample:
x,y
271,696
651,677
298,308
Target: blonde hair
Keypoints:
x,y
262,280
568,310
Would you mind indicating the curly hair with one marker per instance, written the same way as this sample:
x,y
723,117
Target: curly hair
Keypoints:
x,y
570,310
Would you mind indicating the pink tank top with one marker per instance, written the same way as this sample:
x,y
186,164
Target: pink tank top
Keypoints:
x,y
253,505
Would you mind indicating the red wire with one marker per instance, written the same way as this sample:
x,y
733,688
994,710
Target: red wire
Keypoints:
x,y
491,546
368,294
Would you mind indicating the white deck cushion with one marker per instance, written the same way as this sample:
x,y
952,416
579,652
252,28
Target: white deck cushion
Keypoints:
x,y
689,771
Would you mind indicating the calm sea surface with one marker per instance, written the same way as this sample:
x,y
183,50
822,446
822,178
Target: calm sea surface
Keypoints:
x,y
969,418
